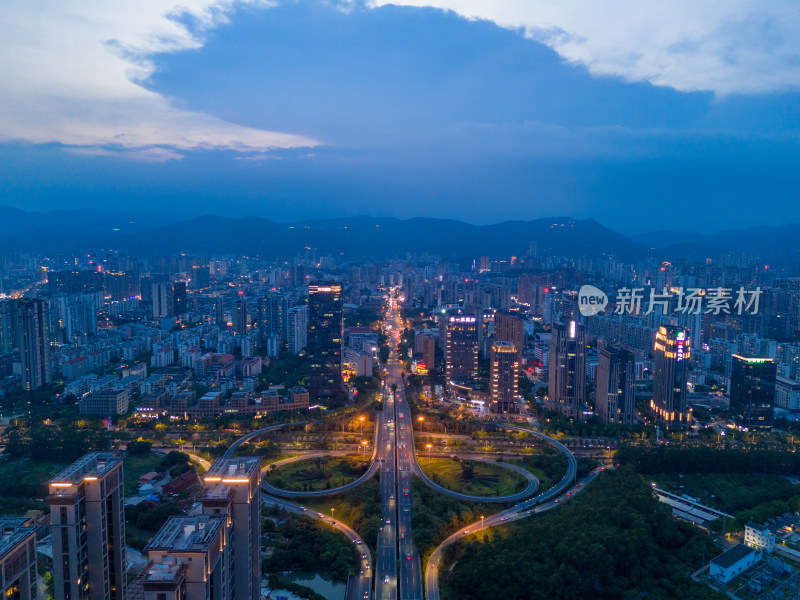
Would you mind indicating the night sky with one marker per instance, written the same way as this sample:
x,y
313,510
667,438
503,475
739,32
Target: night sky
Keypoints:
x,y
663,115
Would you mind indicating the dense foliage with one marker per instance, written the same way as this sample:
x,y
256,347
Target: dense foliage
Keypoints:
x,y
610,542
302,544
67,440
705,459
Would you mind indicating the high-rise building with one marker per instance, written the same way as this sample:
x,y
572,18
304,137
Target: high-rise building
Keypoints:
x,y
75,316
190,559
17,558
178,298
200,277
460,348
567,389
33,341
752,392
162,299
671,355
272,310
240,316
509,328
504,377
297,328
87,524
232,489
325,314
615,399
8,324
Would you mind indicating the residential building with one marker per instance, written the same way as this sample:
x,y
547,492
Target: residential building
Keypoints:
x,y
759,536
87,525
17,558
233,490
297,329
105,403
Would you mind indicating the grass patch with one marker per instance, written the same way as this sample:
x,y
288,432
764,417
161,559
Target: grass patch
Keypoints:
x,y
472,477
136,465
318,473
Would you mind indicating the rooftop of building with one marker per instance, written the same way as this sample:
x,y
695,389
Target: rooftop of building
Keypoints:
x,y
89,467
186,534
758,526
163,572
12,531
233,470
730,557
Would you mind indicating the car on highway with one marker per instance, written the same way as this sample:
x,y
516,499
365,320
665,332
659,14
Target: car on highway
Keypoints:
x,y
385,579
388,521
408,557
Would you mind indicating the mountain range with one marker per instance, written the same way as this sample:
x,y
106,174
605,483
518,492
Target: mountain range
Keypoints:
x,y
79,230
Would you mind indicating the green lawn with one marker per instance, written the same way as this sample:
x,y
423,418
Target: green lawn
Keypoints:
x,y
136,465
318,473
22,481
472,477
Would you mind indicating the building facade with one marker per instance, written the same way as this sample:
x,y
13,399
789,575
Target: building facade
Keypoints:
x,y
567,385
615,399
324,348
752,392
460,348
504,377
671,353
17,558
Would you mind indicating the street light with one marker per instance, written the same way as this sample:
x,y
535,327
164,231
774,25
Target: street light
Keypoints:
x,y
332,509
362,424
363,448
481,523
421,419
429,446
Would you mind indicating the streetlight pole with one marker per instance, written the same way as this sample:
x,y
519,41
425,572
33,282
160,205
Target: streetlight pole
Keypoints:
x,y
363,449
429,446
481,523
332,509
361,419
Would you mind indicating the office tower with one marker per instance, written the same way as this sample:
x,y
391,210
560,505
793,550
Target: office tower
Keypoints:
x,y
428,347
232,489
272,310
752,392
504,377
325,339
615,399
240,316
17,558
509,328
297,329
671,355
33,341
162,301
566,392
190,559
178,298
460,348
200,277
87,524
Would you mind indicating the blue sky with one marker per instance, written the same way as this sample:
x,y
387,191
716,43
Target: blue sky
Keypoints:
x,y
686,117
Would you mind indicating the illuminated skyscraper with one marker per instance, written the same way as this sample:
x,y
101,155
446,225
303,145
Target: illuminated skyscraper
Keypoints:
x,y
752,392
566,392
33,341
324,346
504,377
508,328
616,386
240,316
461,348
671,355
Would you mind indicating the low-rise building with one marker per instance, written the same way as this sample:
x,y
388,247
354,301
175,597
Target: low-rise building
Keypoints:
x,y
733,562
759,536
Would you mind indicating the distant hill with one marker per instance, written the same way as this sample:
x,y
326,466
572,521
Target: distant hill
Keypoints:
x,y
78,230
